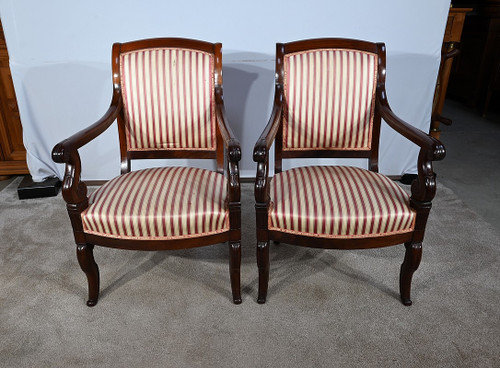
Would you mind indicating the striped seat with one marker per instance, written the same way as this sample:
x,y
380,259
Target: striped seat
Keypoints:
x,y
338,202
159,203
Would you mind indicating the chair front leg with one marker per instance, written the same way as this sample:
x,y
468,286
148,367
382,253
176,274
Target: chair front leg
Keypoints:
x,y
234,198
263,265
85,255
234,270
413,255
261,215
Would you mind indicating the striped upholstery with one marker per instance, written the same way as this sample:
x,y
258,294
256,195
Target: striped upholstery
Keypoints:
x,y
168,98
338,202
329,95
159,203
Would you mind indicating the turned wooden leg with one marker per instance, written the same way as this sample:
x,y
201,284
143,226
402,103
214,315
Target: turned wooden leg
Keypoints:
x,y
413,255
85,256
234,270
263,265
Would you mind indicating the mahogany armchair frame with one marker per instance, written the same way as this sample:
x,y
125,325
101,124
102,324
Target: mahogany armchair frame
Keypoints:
x,y
227,156
423,187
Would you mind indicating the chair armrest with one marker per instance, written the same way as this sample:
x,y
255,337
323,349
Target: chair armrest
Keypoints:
x,y
233,149
230,141
74,191
431,149
266,139
61,153
417,136
262,147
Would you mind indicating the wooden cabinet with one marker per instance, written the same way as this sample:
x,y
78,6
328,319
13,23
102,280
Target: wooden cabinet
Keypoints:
x,y
449,50
12,152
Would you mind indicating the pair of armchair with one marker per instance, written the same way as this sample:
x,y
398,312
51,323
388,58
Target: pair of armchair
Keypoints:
x,y
168,103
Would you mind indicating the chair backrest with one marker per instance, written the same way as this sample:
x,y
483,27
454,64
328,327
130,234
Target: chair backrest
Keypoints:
x,y
329,88
329,95
167,86
168,98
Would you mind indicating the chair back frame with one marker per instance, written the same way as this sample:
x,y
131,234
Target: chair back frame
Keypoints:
x,y
125,154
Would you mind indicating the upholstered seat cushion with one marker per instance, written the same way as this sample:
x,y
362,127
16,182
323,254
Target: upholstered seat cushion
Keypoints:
x,y
159,203
338,202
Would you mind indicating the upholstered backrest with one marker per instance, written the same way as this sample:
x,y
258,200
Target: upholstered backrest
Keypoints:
x,y
168,96
329,99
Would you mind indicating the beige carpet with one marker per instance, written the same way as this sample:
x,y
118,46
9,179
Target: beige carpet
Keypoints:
x,y
326,308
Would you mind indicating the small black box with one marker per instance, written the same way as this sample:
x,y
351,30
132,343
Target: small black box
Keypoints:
x,y
31,189
407,179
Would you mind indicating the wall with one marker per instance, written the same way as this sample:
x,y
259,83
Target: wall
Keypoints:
x,y
60,62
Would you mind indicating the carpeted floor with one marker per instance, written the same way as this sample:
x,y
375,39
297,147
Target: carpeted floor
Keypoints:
x,y
326,308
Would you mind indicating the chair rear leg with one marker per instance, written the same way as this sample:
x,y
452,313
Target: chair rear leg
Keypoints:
x,y
234,270
413,255
85,256
263,265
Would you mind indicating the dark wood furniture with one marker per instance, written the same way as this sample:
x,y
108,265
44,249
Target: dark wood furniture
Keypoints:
x,y
12,151
167,101
318,86
474,76
449,50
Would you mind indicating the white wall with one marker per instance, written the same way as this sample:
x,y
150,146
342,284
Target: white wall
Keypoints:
x,y
60,53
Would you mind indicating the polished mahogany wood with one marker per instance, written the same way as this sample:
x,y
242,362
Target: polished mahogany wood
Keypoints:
x,y
227,155
422,190
12,151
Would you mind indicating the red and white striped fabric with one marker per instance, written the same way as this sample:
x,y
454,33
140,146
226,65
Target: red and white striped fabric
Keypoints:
x,y
168,96
159,203
338,202
330,99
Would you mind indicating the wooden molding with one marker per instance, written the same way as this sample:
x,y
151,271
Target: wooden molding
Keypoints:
x,y
13,168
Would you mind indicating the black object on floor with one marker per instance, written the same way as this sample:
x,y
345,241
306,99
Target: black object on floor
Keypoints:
x,y
31,189
407,179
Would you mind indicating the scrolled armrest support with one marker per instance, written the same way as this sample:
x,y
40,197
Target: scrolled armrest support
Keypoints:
x,y
74,191
262,182
424,187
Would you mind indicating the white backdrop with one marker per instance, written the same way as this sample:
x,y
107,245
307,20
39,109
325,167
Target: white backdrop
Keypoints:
x,y
60,52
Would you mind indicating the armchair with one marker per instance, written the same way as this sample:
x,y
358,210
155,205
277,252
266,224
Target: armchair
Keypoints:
x,y
329,101
167,101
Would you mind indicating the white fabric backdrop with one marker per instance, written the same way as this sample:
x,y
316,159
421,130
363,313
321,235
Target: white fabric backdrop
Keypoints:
x,y
60,54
